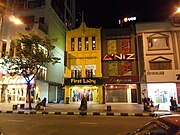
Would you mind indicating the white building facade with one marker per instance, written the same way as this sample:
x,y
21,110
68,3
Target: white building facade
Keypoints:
x,y
51,17
161,54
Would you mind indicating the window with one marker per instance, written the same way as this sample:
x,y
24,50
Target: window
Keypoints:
x,y
76,71
79,44
11,49
72,44
157,43
165,65
36,3
3,48
93,43
41,20
86,44
90,70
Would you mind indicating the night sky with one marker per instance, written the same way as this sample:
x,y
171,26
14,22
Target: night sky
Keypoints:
x,y
106,13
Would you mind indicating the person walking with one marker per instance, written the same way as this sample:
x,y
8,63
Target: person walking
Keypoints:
x,y
43,103
38,104
83,105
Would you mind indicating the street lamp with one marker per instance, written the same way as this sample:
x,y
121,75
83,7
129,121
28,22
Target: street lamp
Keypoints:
x,y
15,20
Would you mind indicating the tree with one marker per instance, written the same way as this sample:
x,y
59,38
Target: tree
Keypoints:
x,y
32,52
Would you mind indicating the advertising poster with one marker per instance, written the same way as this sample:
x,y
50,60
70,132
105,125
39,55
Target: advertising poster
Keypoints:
x,y
125,45
126,68
113,68
112,47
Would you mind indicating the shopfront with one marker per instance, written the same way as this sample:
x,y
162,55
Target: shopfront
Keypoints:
x,y
121,89
161,86
161,93
88,91
76,89
13,90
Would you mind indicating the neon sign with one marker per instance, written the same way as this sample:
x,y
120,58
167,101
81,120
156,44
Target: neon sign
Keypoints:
x,y
114,57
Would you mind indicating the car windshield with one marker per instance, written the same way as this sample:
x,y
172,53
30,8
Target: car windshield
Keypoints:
x,y
152,128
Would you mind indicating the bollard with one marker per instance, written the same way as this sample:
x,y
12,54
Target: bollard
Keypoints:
x,y
22,106
108,108
14,107
67,100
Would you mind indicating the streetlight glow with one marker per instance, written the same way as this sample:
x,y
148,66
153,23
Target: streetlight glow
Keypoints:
x,y
178,10
15,20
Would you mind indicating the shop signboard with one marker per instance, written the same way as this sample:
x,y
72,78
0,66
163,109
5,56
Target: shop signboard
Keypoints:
x,y
121,80
83,81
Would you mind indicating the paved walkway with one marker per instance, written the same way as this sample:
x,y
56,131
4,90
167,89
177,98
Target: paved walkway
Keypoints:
x,y
123,109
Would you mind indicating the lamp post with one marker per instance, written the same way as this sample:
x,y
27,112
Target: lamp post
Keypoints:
x,y
15,20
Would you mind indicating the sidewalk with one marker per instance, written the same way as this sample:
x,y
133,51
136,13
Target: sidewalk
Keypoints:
x,y
117,109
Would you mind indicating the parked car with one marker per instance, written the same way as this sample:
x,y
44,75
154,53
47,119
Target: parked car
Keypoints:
x,y
164,125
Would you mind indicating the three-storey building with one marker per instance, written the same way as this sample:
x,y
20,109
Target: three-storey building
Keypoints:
x,y
161,47
83,75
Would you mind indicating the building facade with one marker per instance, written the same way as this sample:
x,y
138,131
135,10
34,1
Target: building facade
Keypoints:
x,y
161,47
120,66
51,17
83,75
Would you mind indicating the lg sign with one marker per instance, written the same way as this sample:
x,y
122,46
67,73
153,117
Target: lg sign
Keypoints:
x,y
127,19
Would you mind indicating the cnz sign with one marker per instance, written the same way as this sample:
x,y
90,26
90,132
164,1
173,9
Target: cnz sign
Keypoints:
x,y
111,57
83,81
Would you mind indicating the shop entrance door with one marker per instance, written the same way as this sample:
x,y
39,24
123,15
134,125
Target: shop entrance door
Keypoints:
x,y
133,96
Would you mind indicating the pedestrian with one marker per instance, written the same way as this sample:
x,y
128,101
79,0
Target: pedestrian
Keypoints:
x,y
83,105
144,103
38,104
152,107
9,97
148,105
171,101
43,103
174,104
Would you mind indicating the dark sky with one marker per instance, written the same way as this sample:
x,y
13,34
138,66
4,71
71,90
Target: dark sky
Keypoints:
x,y
106,13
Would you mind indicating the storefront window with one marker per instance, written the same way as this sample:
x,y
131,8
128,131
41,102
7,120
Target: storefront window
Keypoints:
x,y
86,43
90,70
4,44
166,65
160,93
72,44
79,44
158,43
91,93
93,43
11,49
76,71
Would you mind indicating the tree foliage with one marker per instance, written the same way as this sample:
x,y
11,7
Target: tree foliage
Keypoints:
x,y
32,52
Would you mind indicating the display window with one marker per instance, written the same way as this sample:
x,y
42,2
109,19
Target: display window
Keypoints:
x,y
160,93
91,94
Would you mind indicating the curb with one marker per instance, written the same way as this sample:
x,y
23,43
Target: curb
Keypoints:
x,y
84,113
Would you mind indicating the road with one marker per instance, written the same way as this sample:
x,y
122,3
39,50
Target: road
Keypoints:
x,y
20,124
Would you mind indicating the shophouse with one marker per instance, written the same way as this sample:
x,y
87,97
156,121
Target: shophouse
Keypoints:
x,y
161,47
51,17
83,76
120,66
